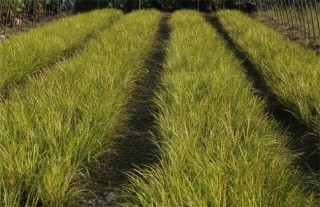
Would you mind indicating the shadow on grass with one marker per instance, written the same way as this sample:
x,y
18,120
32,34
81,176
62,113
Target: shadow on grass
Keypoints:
x,y
134,148
301,136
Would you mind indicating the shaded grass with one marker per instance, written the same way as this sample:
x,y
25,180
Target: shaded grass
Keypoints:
x,y
217,147
59,122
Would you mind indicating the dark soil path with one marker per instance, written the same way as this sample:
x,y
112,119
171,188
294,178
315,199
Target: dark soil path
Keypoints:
x,y
134,147
300,135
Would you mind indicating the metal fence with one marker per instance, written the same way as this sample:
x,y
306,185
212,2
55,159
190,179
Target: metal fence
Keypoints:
x,y
17,15
302,15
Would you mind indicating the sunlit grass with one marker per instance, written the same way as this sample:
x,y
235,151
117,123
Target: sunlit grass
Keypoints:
x,y
60,121
291,71
217,148
26,53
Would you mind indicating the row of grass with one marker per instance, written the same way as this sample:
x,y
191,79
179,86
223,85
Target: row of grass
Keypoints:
x,y
292,72
217,147
33,50
53,127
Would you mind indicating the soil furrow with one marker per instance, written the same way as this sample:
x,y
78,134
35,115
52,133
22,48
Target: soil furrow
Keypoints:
x,y
133,148
302,138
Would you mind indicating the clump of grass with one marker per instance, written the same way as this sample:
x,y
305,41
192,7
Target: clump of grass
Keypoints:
x,y
53,127
217,146
292,72
26,53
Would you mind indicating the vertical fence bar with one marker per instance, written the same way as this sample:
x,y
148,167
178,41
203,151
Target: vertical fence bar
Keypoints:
x,y
312,20
290,12
28,12
275,5
59,10
7,16
286,12
44,11
269,12
274,11
298,13
1,23
14,20
265,9
34,15
285,8
272,14
317,16
307,18
281,12
304,27
260,7
22,15
49,9
296,18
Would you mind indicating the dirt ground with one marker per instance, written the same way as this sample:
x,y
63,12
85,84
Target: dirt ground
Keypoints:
x,y
133,146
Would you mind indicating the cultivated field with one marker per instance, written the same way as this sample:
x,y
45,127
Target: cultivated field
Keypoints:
x,y
63,119
217,146
291,72
38,48
218,96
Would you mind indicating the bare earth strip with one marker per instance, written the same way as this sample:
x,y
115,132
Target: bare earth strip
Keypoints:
x,y
134,148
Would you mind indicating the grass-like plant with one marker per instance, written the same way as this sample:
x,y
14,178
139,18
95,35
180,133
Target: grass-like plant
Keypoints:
x,y
292,72
60,121
28,52
217,147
